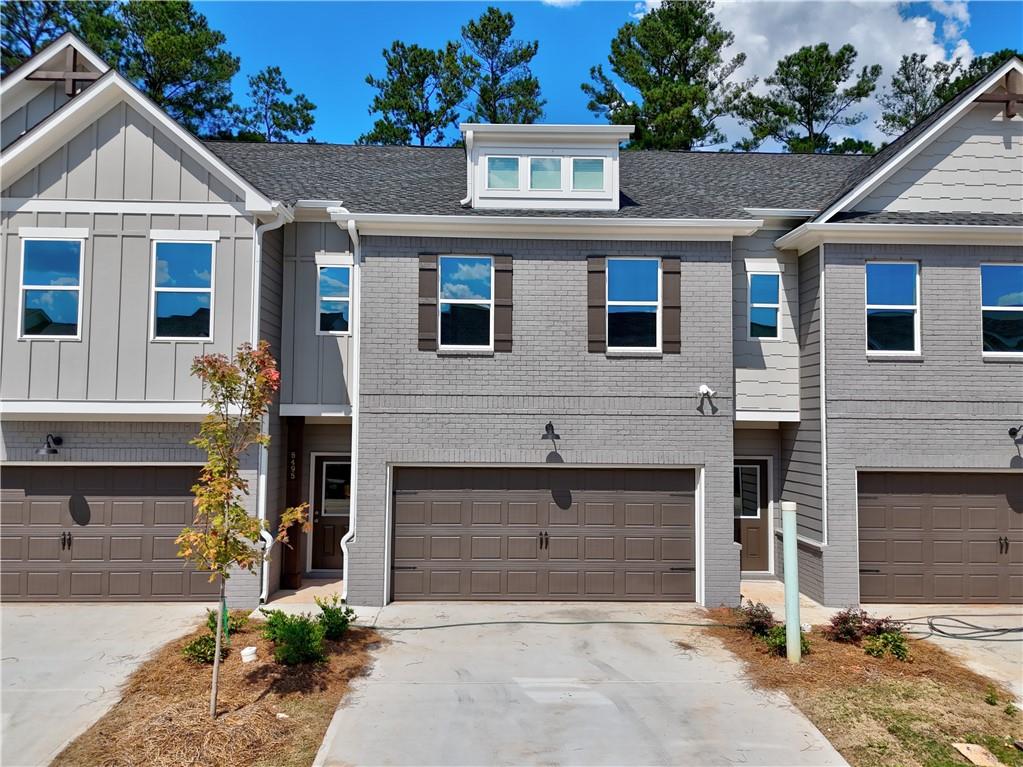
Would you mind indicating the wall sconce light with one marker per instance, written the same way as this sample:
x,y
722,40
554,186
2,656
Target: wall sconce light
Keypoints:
x,y
50,445
1015,430
549,433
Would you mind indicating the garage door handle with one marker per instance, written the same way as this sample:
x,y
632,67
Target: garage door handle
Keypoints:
x,y
869,571
63,541
69,541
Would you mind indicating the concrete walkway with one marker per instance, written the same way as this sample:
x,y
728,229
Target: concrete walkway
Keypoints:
x,y
529,694
997,657
63,665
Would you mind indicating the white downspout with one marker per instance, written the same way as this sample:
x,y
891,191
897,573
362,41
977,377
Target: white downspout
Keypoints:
x,y
283,216
467,201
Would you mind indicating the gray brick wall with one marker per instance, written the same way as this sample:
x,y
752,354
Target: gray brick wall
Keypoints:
x,y
421,407
948,410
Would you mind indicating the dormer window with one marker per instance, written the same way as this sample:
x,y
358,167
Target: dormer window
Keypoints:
x,y
588,174
503,173
545,173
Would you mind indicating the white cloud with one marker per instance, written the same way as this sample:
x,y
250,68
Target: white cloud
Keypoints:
x,y
561,3
477,271
163,273
456,290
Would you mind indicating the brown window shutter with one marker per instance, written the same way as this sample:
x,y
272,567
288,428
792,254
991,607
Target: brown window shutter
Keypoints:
x,y
428,302
596,303
502,303
671,305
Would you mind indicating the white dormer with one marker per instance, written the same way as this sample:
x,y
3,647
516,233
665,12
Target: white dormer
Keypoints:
x,y
555,167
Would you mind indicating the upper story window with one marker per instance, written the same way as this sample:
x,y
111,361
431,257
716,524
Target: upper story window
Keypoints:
x,y
633,304
503,173
764,306
51,286
183,290
588,174
334,297
1001,290
466,297
545,173
893,307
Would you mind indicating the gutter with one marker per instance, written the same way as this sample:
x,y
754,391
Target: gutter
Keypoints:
x,y
810,235
283,214
466,201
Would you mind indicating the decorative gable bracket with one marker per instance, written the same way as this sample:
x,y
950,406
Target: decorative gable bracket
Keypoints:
x,y
70,75
1010,94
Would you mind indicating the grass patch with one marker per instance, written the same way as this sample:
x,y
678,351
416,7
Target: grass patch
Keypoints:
x,y
162,719
880,712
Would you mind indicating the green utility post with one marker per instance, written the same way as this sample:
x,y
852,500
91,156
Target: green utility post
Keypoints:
x,y
788,529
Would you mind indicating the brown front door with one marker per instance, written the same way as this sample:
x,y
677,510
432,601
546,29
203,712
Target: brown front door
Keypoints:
x,y
527,534
97,533
940,537
332,492
752,525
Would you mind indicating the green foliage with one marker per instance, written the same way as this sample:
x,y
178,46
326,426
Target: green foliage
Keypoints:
x,y
235,621
892,643
1010,709
419,94
991,696
965,76
272,625
203,648
297,638
776,641
274,116
673,58
807,100
505,88
28,27
915,91
756,618
335,616
853,625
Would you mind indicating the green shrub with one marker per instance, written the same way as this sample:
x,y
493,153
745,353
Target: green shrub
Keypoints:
x,y
297,638
853,625
335,616
887,643
274,620
991,697
235,621
756,618
775,639
203,648
1010,710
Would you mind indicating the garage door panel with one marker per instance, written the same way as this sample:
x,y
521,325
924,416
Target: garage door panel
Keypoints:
x,y
39,585
172,513
88,548
44,548
603,540
51,513
936,537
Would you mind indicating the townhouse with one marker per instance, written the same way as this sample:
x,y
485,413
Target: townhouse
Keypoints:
x,y
532,367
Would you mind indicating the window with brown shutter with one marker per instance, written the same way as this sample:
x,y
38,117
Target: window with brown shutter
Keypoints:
x,y
671,305
596,303
428,302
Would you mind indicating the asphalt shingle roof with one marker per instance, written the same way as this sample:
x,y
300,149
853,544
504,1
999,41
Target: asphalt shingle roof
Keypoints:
x,y
431,180
964,218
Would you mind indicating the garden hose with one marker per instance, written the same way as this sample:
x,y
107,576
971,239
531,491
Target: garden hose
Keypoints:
x,y
955,627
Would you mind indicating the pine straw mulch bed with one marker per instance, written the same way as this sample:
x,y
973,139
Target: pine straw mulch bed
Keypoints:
x,y
884,712
162,719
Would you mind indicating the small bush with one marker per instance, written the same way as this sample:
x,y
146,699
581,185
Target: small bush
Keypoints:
x,y
886,625
756,618
297,639
1010,710
335,616
853,625
202,649
991,697
275,619
235,621
775,639
887,643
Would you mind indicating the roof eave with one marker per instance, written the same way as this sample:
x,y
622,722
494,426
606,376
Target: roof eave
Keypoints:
x,y
810,235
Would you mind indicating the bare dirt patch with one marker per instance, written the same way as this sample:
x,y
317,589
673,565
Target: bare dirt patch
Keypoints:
x,y
883,712
162,719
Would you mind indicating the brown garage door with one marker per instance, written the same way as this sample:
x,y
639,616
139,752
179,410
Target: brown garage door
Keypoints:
x,y
941,537
575,534
97,533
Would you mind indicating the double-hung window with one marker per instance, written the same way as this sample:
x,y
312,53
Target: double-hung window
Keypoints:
x,y
51,286
633,304
893,307
466,294
183,290
333,299
1001,290
764,306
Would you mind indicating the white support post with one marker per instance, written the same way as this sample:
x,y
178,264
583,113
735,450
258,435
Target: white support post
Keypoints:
x,y
788,528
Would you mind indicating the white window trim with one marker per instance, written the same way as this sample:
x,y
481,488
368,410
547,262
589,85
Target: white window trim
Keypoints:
x,y
486,171
42,234
608,303
323,489
916,351
184,235
329,261
751,305
441,300
983,308
603,175
153,291
561,173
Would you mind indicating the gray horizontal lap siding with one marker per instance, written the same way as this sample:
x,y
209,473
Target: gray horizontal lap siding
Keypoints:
x,y
949,410
425,407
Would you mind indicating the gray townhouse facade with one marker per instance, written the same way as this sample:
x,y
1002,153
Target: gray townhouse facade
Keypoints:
x,y
532,367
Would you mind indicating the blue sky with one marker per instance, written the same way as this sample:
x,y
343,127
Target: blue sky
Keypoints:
x,y
326,49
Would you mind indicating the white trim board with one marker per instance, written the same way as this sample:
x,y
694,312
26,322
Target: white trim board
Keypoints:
x,y
184,235
12,102
809,236
37,205
316,410
84,410
754,416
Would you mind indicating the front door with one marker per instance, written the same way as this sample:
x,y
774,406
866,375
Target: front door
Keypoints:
x,y
752,527
332,492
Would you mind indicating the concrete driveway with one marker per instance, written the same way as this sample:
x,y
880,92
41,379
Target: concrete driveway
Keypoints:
x,y
543,694
63,665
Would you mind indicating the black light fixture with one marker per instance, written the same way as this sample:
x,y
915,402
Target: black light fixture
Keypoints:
x,y
549,433
50,445
1015,430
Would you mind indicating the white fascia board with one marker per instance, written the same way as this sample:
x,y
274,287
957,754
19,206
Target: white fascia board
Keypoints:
x,y
185,235
13,98
875,179
550,227
317,411
38,205
776,416
782,212
809,236
84,410
490,131
110,89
